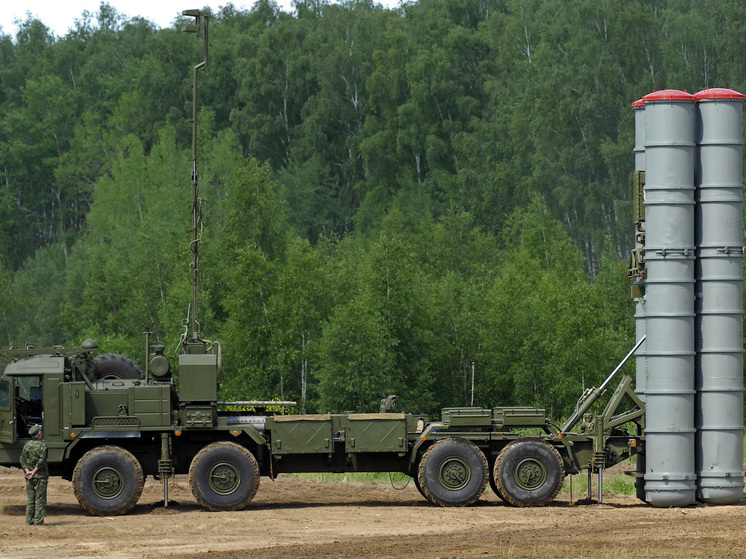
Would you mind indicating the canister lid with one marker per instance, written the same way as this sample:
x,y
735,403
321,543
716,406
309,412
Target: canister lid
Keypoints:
x,y
719,93
667,95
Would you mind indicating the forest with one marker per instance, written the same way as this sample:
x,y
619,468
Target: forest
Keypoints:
x,y
432,201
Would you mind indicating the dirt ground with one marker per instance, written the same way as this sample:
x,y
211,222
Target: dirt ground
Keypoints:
x,y
298,518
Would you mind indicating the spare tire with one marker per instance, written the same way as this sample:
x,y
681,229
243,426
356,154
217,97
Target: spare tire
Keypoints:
x,y
115,366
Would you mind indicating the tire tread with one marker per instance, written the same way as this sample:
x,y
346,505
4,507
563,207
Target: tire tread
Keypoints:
x,y
430,488
197,483
545,494
81,483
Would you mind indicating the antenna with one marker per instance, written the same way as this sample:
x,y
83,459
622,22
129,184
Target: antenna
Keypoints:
x,y
200,19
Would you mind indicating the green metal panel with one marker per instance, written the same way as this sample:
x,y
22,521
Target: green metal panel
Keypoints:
x,y
115,422
520,417
36,366
7,411
105,403
301,434
198,377
50,386
467,417
151,405
376,432
72,407
197,416
638,197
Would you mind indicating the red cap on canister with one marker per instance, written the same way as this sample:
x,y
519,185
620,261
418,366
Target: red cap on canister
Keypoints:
x,y
719,94
667,95
639,104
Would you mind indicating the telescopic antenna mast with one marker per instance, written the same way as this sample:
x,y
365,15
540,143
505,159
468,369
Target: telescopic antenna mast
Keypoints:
x,y
200,25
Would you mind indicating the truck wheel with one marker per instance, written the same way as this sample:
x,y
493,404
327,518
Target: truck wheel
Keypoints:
x,y
529,473
108,481
453,473
224,476
115,366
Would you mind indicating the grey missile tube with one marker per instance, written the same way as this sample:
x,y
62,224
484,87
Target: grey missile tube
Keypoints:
x,y
670,478
719,302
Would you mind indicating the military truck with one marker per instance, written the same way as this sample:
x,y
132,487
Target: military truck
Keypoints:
x,y
108,424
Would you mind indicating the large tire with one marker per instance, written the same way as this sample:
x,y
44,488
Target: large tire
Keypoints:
x,y
115,366
453,473
529,473
224,476
108,481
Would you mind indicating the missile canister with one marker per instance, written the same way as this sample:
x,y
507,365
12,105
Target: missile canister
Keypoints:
x,y
718,408
670,478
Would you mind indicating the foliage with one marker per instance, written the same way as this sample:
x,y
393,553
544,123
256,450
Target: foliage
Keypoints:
x,y
431,200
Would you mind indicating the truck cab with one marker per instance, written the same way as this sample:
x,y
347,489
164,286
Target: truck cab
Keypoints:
x,y
21,400
49,387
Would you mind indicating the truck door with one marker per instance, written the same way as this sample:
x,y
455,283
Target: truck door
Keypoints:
x,y
28,404
7,411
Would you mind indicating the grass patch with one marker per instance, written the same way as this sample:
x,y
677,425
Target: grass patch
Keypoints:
x,y
620,484
614,484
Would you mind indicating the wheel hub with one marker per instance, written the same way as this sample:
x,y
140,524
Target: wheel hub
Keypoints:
x,y
454,474
107,482
224,478
530,474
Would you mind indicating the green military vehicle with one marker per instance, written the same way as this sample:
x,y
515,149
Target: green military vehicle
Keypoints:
x,y
108,424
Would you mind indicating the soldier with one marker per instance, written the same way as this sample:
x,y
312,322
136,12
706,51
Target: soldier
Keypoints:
x,y
34,464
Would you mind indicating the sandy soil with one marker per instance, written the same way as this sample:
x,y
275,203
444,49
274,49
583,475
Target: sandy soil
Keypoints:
x,y
299,518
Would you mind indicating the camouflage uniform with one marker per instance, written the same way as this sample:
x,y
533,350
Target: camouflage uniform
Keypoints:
x,y
34,455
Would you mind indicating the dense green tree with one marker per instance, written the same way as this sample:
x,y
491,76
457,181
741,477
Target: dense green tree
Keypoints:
x,y
356,366
119,278
247,260
461,262
273,85
438,205
8,326
38,136
32,300
297,308
548,336
334,115
385,288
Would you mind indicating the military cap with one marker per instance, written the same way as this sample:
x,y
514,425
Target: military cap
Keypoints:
x,y
35,429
